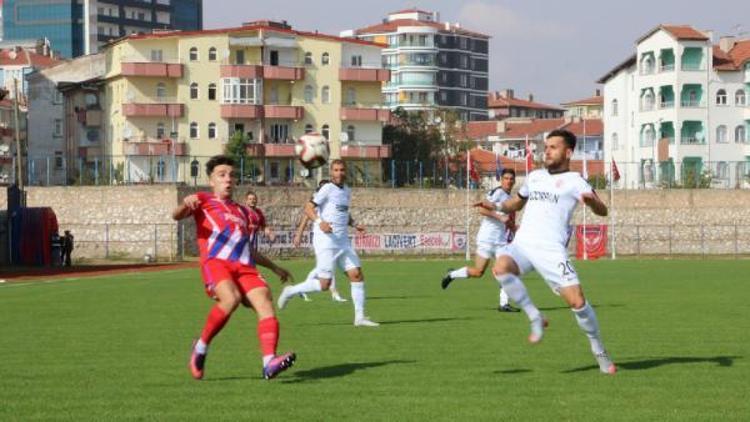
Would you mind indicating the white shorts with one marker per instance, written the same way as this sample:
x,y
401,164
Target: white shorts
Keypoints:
x,y
550,261
326,260
488,250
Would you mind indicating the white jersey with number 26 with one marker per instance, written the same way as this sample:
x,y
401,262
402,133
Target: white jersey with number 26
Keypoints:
x,y
551,200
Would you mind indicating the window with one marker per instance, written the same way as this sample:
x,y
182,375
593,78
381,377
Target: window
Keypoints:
x,y
193,130
308,58
443,96
58,97
240,91
212,54
721,134
193,54
274,95
443,58
463,80
274,170
239,57
739,97
308,128
279,133
161,90
194,91
356,61
160,131
722,170
212,92
721,97
351,96
212,130
739,135
615,142
325,131
325,95
464,62
350,133
309,93
92,100
58,128
325,59
58,160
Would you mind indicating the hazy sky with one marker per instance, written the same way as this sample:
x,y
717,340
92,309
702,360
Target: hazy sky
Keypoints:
x,y
553,49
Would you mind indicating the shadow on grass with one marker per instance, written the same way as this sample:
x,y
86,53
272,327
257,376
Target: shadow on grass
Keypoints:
x,y
402,321
567,308
335,371
637,365
512,371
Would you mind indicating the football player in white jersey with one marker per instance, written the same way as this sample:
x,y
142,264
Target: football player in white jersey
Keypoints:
x,y
335,296
329,209
550,196
495,231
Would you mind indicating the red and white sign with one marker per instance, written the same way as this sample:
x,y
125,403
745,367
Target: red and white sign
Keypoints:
x,y
593,238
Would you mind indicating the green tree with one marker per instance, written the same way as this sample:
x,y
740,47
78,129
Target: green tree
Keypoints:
x,y
236,149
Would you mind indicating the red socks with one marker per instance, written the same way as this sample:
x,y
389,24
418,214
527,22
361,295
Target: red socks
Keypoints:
x,y
268,335
217,318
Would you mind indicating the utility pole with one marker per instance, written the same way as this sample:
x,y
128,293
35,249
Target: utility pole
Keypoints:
x,y
17,132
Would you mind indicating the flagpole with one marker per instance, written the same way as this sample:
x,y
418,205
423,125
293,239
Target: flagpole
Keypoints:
x,y
612,202
526,156
468,179
585,176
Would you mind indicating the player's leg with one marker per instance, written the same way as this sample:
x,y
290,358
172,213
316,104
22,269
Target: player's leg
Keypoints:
x,y
349,261
480,265
267,329
335,295
504,301
227,298
586,318
318,279
506,270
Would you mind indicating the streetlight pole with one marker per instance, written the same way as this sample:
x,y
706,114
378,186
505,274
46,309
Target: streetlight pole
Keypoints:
x,y
17,132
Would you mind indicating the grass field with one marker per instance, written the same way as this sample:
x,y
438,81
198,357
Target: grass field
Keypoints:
x,y
116,348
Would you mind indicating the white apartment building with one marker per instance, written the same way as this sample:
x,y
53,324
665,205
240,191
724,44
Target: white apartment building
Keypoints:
x,y
676,111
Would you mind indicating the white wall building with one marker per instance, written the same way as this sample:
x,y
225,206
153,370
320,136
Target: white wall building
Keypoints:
x,y
676,112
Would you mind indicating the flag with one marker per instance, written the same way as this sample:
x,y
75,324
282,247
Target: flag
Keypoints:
x,y
498,167
615,171
473,174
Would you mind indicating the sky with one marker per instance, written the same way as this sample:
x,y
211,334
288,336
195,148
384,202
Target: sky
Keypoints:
x,y
553,49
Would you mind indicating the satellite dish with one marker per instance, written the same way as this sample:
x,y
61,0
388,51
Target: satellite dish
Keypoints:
x,y
344,138
304,172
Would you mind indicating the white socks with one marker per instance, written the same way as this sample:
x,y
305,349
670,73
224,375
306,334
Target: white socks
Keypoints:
x,y
266,359
514,288
200,347
310,285
358,297
460,273
586,318
503,297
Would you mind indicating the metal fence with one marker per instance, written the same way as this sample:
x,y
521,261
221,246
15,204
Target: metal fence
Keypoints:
x,y
688,174
173,242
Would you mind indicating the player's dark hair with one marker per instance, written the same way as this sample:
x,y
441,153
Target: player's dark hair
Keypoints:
x,y
568,137
251,192
338,161
323,182
508,171
218,160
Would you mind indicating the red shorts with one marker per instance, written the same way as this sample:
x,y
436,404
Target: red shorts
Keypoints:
x,y
245,277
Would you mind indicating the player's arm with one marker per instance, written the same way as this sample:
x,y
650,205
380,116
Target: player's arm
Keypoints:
x,y
184,210
515,203
300,230
313,215
264,261
485,204
592,200
359,227
493,214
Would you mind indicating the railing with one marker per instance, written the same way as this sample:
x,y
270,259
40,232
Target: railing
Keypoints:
x,y
692,103
138,58
666,67
666,104
692,140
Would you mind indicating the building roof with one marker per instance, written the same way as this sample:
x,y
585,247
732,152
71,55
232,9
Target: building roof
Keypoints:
x,y
392,26
678,32
533,128
23,57
499,101
486,162
629,62
595,100
593,127
734,59
251,27
412,10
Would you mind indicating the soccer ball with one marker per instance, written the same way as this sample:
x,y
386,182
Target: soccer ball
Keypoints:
x,y
312,150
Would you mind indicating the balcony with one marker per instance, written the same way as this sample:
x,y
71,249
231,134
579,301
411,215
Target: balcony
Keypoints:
x,y
366,152
666,104
359,74
155,109
283,112
150,146
241,71
692,140
285,149
241,111
142,67
285,73
363,113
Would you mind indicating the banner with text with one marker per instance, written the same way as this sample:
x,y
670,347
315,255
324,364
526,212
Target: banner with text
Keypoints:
x,y
433,241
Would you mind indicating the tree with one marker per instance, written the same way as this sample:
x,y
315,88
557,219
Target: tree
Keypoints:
x,y
236,149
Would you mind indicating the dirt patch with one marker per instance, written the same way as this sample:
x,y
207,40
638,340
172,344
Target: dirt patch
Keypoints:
x,y
14,274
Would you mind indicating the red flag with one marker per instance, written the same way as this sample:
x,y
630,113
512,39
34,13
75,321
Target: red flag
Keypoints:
x,y
529,157
473,173
615,171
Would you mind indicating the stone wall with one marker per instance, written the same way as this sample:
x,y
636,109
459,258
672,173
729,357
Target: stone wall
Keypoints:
x,y
135,220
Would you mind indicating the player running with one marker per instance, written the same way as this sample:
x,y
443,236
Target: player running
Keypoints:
x,y
335,296
228,258
495,231
332,244
550,196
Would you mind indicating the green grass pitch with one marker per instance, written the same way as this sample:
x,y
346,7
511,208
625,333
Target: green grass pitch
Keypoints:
x,y
116,348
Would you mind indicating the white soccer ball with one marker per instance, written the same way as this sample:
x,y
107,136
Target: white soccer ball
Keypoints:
x,y
312,150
